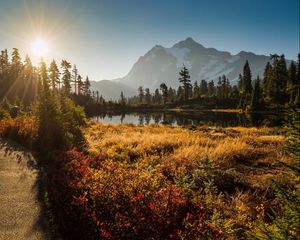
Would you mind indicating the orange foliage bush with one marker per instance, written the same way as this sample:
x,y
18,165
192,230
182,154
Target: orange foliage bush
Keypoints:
x,y
23,130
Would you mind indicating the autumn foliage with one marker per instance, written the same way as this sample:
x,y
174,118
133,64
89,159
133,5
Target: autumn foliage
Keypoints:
x,y
22,130
155,182
102,199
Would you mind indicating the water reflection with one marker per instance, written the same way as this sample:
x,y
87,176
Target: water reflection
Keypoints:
x,y
222,119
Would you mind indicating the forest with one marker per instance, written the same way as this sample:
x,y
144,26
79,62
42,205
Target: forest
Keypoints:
x,y
105,181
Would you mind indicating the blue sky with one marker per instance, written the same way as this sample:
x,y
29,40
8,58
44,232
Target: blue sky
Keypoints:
x,y
105,37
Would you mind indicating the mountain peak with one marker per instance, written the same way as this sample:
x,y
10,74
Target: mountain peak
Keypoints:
x,y
188,43
190,40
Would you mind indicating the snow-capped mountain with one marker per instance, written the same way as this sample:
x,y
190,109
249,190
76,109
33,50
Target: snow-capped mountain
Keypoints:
x,y
162,64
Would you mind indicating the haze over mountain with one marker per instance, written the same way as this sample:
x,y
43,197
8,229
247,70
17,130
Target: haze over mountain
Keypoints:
x,y
162,64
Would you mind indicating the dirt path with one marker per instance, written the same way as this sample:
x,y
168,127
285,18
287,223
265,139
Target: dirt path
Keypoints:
x,y
20,208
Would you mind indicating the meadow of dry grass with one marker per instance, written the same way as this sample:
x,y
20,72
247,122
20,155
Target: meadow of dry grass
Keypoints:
x,y
237,161
227,168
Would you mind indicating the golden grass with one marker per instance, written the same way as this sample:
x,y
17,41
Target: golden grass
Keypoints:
x,y
227,147
245,156
251,151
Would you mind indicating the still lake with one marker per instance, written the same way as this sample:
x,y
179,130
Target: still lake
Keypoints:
x,y
221,119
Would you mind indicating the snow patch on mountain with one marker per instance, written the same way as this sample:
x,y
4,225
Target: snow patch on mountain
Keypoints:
x,y
205,69
226,72
180,54
233,59
150,57
216,71
164,68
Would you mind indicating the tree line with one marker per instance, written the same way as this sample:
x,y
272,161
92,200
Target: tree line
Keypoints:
x,y
278,88
19,81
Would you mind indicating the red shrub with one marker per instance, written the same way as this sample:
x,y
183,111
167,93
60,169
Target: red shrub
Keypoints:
x,y
97,199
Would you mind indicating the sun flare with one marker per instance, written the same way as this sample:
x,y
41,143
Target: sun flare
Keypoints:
x,y
39,47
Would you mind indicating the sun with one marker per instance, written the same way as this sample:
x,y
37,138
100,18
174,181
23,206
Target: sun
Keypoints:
x,y
39,47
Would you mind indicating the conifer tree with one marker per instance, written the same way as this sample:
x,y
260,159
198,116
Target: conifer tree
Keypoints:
x,y
157,96
184,79
196,90
180,94
171,94
211,88
275,78
50,128
247,83
122,99
54,75
29,82
87,86
75,78
246,91
240,83
297,85
292,82
255,100
219,88
43,73
141,94
282,80
203,88
66,77
164,90
267,82
80,85
147,96
16,60
4,62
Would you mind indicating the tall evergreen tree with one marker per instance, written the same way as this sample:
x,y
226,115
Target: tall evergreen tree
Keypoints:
x,y
245,96
247,83
54,75
80,85
196,90
16,60
4,62
171,94
211,88
292,82
275,78
184,79
43,73
297,85
157,96
240,83
122,99
66,77
141,94
180,94
203,88
164,90
267,82
29,82
255,100
147,96
75,78
219,88
87,86
282,80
